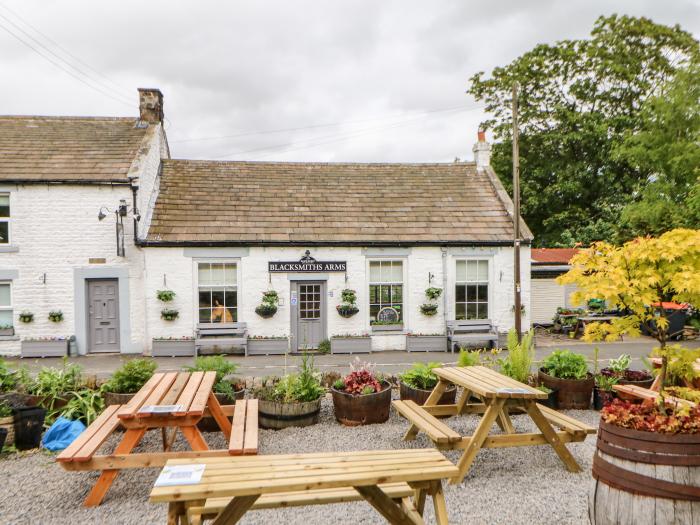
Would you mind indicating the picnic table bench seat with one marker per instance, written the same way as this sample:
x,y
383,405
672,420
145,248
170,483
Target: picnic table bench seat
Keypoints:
x,y
578,429
436,430
470,331
244,431
87,443
214,506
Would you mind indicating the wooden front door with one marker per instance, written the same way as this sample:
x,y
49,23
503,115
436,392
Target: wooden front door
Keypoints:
x,y
103,315
308,314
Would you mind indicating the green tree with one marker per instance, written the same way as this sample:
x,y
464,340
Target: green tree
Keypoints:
x,y
666,152
577,100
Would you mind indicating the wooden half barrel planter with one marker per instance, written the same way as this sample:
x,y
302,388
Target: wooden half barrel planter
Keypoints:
x,y
571,393
644,477
276,415
7,424
420,396
362,409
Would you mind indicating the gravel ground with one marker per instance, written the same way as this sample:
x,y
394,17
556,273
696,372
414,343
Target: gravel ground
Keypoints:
x,y
504,486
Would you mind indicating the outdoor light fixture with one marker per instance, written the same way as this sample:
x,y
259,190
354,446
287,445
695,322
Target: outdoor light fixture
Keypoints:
x,y
119,213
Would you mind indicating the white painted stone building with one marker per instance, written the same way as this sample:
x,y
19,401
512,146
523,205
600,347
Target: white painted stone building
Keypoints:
x,y
212,231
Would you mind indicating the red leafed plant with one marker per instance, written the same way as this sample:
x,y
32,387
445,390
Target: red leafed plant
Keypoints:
x,y
649,417
360,382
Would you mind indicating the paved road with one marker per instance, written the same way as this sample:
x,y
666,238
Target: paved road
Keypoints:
x,y
389,362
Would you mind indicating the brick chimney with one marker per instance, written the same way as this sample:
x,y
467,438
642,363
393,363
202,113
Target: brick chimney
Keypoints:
x,y
150,105
482,151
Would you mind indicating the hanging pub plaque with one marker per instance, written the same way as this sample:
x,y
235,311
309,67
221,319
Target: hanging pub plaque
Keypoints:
x,y
307,264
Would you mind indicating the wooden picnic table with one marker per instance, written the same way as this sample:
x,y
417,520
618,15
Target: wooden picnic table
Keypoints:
x,y
500,396
308,479
170,402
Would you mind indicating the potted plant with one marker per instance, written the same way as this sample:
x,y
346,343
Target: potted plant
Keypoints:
x,y
172,346
348,307
430,308
551,400
127,380
646,457
261,345
292,401
603,392
619,368
55,316
227,387
7,330
84,406
52,387
268,307
426,342
351,344
361,397
568,374
165,296
418,382
26,316
169,314
7,424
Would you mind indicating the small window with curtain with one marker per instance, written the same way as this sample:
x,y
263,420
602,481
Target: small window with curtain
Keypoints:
x,y
6,312
472,290
4,218
385,288
218,292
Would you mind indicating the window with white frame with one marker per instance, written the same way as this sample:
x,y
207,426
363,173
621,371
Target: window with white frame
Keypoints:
x,y
472,290
4,218
385,287
6,312
217,285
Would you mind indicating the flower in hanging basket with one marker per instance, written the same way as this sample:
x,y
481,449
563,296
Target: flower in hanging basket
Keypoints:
x,y
429,309
433,293
347,310
268,307
26,317
169,314
165,295
56,316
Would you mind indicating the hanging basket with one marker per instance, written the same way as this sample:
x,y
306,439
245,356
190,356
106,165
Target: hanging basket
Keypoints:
x,y
56,316
26,317
266,310
169,315
347,310
429,309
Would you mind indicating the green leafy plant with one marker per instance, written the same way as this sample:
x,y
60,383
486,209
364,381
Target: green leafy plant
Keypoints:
x,y
339,384
433,293
26,316
518,362
348,307
681,392
165,295
213,363
620,364
84,405
131,376
429,309
302,387
56,316
544,389
169,314
681,363
5,410
469,357
420,376
606,382
564,364
9,379
268,307
324,346
56,382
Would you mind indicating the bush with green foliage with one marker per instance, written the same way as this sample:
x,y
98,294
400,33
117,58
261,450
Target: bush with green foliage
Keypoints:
x,y
681,364
324,346
84,405
9,379
52,382
420,376
520,356
222,367
564,364
302,387
5,410
469,357
131,376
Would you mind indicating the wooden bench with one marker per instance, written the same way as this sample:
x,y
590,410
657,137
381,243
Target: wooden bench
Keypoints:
x,y
436,430
637,392
216,338
214,506
244,431
470,331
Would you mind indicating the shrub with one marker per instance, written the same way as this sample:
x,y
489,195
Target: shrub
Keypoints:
x,y
520,356
469,357
564,364
324,346
9,379
131,376
214,363
84,405
648,416
420,376
53,382
295,388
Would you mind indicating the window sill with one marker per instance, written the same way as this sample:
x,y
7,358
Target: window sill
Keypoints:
x,y
387,327
8,248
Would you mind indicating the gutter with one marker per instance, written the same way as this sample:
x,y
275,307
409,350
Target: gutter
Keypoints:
x,y
405,244
73,182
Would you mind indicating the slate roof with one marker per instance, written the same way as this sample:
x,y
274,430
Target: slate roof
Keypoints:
x,y
219,203
79,149
552,255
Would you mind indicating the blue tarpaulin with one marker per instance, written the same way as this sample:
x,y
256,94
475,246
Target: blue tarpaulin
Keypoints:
x,y
61,434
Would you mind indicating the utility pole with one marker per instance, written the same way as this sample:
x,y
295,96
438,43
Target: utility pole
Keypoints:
x,y
516,215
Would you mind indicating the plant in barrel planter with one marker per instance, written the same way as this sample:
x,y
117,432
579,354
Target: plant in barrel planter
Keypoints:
x,y
568,374
55,316
169,314
293,401
128,380
52,387
620,369
268,307
26,317
646,459
418,382
431,307
361,397
348,307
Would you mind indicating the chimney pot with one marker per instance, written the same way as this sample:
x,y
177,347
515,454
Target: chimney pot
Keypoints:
x,y
482,151
481,134
150,105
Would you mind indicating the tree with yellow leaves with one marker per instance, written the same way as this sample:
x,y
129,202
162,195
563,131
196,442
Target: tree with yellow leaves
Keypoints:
x,y
637,278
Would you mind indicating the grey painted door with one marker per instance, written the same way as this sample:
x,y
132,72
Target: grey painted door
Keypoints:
x,y
308,314
103,315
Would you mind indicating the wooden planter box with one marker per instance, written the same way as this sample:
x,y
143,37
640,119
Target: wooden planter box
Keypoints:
x,y
426,343
9,424
351,345
267,346
172,348
44,348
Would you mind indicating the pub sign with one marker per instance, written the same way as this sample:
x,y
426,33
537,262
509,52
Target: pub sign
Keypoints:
x,y
307,264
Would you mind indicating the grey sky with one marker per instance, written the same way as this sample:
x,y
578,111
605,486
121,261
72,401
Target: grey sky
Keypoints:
x,y
232,68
